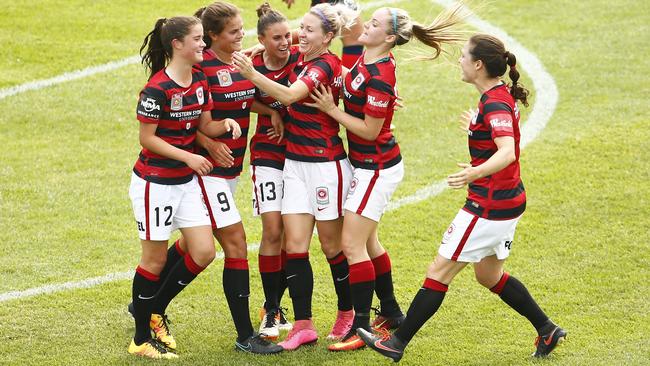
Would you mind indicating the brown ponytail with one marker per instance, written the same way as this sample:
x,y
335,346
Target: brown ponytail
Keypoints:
x,y
158,43
491,51
267,17
214,18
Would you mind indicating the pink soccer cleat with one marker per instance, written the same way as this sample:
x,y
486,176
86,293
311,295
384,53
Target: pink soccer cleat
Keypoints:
x,y
342,325
303,333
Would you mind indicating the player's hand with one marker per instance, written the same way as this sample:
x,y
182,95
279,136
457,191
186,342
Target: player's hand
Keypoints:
x,y
289,3
465,176
221,154
323,99
243,64
199,164
232,125
465,119
254,50
399,103
277,131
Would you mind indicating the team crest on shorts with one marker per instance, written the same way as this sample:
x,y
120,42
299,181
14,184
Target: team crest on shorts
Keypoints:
x,y
357,81
448,233
199,95
177,102
353,186
224,77
322,195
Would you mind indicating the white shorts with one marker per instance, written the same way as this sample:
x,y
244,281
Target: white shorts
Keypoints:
x,y
370,190
470,238
160,209
267,189
318,189
218,196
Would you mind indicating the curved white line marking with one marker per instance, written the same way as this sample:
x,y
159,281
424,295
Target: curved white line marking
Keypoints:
x,y
545,103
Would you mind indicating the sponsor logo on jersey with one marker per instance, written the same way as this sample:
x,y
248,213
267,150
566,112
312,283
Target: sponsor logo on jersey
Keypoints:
x,y
377,103
199,95
150,105
322,196
177,102
501,124
224,77
356,83
313,75
338,81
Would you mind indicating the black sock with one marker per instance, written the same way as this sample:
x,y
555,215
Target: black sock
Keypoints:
x,y
145,286
515,294
178,278
237,291
270,272
384,286
283,277
424,305
340,274
174,254
362,286
300,279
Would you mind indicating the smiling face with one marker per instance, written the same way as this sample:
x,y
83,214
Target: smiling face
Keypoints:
x,y
277,40
230,39
312,40
378,30
191,46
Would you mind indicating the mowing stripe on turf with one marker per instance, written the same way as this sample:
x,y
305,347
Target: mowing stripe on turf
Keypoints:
x,y
545,103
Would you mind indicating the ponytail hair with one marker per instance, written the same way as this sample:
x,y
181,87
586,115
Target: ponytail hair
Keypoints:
x,y
214,18
335,18
443,29
157,45
266,17
492,52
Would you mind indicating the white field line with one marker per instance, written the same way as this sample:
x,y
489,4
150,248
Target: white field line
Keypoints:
x,y
114,65
545,103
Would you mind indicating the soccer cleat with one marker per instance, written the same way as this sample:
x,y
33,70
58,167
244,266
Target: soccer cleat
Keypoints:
x,y
350,342
303,333
342,325
283,323
151,349
387,345
269,328
547,343
258,345
387,323
159,324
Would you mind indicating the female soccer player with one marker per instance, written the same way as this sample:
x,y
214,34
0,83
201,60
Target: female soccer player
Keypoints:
x,y
233,97
267,162
164,190
316,172
483,230
369,98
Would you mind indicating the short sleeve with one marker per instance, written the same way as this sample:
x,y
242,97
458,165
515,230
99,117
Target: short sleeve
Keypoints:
x,y
150,105
379,97
499,119
315,75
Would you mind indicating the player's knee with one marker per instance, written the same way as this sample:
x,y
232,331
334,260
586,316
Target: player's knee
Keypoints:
x,y
272,237
204,256
487,280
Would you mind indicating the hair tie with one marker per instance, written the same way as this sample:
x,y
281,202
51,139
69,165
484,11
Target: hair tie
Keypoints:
x,y
323,18
394,14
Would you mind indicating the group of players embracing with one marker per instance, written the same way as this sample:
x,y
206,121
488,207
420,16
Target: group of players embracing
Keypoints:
x,y
194,115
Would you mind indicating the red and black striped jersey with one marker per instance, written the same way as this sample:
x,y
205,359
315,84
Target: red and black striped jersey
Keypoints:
x,y
500,196
232,97
369,89
311,134
177,111
266,151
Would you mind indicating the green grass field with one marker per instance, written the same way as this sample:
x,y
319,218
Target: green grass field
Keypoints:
x,y
582,248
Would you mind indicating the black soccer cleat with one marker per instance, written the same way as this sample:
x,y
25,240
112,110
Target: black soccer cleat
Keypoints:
x,y
258,345
386,323
547,342
387,345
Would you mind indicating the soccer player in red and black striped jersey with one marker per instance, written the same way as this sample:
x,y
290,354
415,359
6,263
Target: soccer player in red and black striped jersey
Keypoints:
x,y
316,171
482,233
369,96
267,161
164,190
233,97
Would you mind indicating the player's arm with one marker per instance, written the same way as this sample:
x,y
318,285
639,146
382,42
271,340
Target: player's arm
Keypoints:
x,y
504,156
155,144
286,95
217,128
367,128
276,119
219,151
